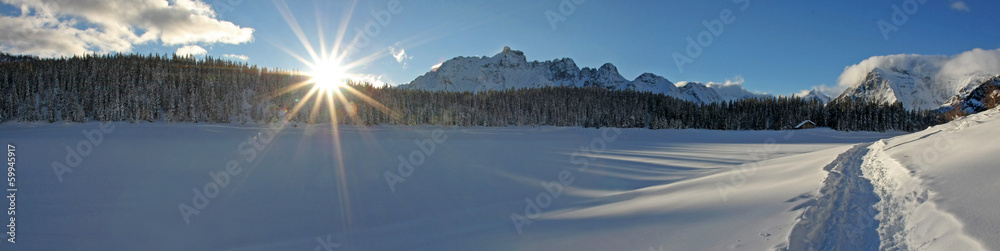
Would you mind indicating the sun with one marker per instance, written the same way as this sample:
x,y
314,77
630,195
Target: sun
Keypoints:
x,y
328,75
330,71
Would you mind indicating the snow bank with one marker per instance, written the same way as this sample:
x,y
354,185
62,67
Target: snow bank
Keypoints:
x,y
907,220
954,168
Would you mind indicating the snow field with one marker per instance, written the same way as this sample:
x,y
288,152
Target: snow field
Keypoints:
x,y
640,189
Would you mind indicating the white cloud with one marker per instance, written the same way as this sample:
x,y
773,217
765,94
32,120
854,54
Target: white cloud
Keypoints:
x,y
191,50
734,82
959,6
976,61
65,27
237,56
855,73
375,80
943,68
731,89
400,55
436,66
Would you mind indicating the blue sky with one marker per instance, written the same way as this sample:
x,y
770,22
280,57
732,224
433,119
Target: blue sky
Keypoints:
x,y
778,47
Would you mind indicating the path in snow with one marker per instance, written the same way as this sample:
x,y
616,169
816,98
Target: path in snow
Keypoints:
x,y
870,201
842,217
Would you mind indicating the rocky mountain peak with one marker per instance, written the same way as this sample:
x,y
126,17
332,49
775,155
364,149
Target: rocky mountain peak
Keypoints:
x,y
510,69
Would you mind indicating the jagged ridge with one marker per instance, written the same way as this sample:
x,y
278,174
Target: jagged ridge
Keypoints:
x,y
509,69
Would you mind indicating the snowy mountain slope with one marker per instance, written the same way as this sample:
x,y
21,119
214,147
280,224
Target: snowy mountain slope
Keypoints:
x,y
697,92
649,82
918,81
916,90
974,100
815,94
510,69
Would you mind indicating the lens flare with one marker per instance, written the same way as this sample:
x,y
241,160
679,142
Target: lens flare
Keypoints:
x,y
328,84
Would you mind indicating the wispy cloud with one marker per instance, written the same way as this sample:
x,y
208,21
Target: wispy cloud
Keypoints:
x,y
62,28
191,50
237,56
959,6
400,55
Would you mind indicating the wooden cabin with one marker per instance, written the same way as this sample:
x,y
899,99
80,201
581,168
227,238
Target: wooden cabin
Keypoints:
x,y
808,124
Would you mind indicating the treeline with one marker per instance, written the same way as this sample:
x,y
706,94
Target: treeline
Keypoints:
x,y
183,89
119,87
4,57
598,107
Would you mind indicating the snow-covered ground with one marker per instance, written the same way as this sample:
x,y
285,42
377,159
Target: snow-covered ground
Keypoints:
x,y
206,186
930,190
952,172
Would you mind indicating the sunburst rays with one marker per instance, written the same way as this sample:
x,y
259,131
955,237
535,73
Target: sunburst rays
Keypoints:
x,y
330,71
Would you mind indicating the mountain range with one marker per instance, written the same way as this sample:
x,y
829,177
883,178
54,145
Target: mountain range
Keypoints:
x,y
511,69
917,81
